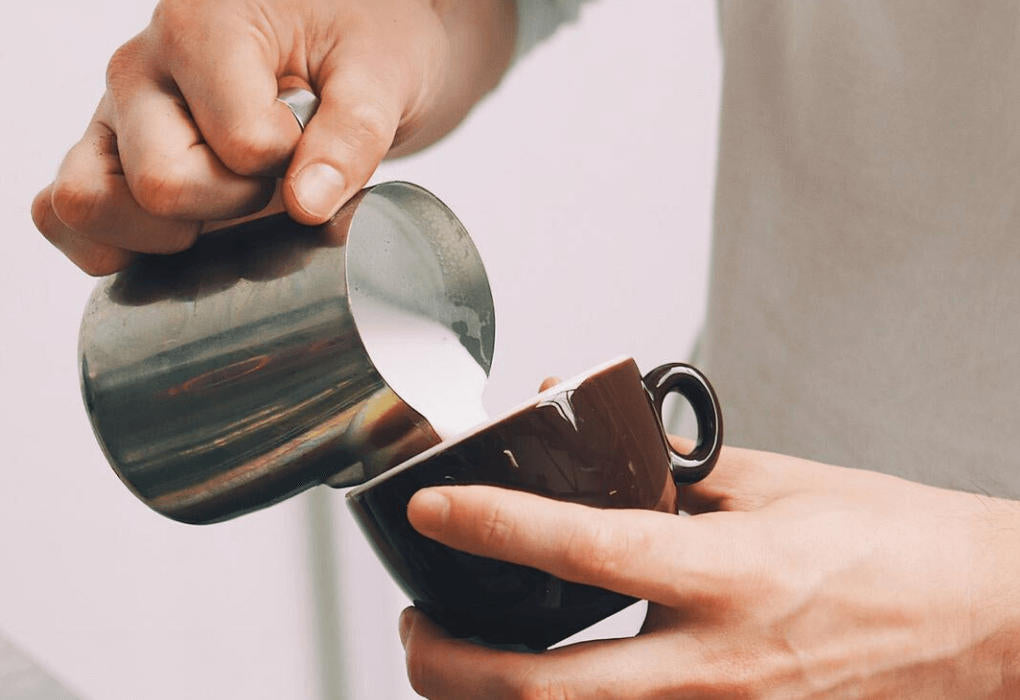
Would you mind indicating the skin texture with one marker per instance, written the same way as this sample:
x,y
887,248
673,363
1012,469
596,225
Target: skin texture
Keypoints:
x,y
791,579
189,134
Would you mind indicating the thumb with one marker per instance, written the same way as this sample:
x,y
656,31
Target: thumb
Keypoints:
x,y
549,383
344,143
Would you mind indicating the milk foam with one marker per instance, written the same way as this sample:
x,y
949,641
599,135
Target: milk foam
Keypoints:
x,y
425,363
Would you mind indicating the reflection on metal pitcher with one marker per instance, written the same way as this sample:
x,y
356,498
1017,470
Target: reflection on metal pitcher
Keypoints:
x,y
237,373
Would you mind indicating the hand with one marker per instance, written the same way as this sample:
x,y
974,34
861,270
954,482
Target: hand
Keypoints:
x,y
791,579
189,130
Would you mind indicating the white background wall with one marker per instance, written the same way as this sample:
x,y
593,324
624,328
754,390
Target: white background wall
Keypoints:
x,y
586,182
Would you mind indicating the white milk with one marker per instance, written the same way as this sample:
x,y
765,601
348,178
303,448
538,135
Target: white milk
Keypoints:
x,y
424,362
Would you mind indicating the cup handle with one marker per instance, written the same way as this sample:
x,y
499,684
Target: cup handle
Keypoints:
x,y
693,386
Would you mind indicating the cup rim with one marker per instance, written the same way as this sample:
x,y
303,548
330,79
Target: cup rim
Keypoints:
x,y
557,388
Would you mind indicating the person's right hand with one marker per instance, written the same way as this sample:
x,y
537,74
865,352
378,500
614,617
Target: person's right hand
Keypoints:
x,y
189,130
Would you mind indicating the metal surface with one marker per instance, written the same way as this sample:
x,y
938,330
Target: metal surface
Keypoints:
x,y
232,375
301,102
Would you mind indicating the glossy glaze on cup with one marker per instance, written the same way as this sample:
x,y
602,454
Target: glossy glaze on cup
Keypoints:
x,y
599,443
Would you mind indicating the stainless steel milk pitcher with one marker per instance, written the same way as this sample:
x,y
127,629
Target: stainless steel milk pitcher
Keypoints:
x,y
235,374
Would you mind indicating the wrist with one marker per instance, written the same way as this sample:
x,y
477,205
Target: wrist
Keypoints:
x,y
477,46
482,35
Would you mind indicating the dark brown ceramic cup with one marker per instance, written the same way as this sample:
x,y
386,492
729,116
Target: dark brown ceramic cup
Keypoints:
x,y
596,440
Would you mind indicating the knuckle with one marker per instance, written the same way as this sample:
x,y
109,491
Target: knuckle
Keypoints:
x,y
370,125
597,549
124,63
77,203
100,261
161,191
92,258
497,529
172,20
251,150
41,211
417,671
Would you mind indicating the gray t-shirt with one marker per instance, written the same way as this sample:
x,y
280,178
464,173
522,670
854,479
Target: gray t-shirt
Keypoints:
x,y
864,308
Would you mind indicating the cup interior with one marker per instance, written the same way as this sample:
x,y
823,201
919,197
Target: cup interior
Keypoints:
x,y
553,396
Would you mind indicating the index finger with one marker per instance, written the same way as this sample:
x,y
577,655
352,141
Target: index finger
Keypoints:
x,y
673,560
230,85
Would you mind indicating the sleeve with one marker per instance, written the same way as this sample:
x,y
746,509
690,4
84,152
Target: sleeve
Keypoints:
x,y
538,20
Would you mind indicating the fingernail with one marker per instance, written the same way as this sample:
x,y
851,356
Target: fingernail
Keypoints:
x,y
404,625
428,511
319,188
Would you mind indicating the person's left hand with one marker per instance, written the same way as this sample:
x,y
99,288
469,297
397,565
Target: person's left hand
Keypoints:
x,y
792,578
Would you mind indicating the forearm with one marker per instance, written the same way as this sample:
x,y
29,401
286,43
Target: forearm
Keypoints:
x,y
480,44
998,599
